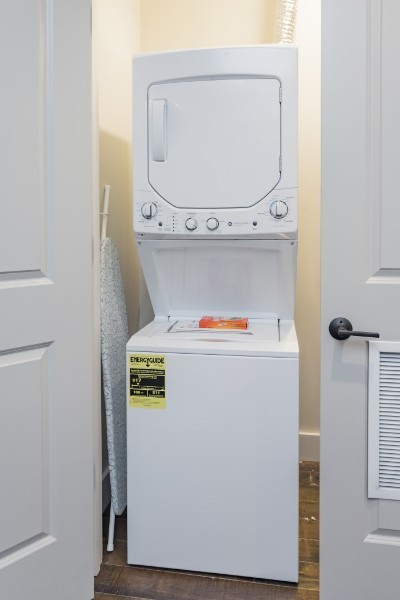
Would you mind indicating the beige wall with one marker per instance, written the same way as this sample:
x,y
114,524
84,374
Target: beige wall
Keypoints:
x,y
308,39
127,26
118,33
117,38
170,24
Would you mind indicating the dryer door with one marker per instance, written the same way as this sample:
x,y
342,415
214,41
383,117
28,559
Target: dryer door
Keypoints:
x,y
214,143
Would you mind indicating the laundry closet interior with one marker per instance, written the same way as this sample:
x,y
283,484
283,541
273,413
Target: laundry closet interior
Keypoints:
x,y
128,27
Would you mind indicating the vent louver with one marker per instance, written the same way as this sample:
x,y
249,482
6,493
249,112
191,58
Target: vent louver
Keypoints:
x,y
384,421
389,420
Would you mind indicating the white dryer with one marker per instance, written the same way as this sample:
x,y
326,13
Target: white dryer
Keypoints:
x,y
213,415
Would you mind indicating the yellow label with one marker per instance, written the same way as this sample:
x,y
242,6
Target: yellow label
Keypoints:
x,y
146,380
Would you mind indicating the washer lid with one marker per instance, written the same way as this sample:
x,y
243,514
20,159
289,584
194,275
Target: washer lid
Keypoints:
x,y
241,278
214,143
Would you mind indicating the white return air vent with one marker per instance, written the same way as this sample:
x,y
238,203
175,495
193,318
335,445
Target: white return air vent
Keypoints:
x,y
384,420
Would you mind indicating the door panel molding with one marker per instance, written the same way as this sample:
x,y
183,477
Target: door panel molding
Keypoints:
x,y
386,276
384,213
23,278
385,537
25,415
23,550
24,91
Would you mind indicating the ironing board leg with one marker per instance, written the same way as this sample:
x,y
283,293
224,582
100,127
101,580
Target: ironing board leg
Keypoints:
x,y
110,544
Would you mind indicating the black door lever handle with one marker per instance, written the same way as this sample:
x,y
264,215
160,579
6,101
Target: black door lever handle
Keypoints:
x,y
341,329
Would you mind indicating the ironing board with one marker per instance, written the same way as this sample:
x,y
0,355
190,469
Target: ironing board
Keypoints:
x,y
114,336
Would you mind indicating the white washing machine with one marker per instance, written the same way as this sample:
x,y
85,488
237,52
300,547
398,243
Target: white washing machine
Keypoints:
x,y
213,414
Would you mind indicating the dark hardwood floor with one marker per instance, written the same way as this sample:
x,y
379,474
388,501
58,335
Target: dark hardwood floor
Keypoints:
x,y
119,581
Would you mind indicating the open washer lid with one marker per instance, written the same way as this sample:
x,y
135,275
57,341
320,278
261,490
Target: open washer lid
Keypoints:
x,y
214,143
249,278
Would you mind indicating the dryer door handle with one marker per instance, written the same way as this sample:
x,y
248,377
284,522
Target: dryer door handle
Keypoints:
x,y
158,130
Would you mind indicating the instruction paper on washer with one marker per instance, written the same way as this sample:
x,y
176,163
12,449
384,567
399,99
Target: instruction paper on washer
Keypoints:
x,y
147,380
192,325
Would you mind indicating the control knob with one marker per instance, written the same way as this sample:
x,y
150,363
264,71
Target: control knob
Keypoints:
x,y
191,224
149,210
212,224
279,209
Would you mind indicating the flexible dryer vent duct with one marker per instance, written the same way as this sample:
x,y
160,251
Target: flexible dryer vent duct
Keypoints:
x,y
285,21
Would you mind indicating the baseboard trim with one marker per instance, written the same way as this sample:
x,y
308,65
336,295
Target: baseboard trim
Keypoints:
x,y
309,446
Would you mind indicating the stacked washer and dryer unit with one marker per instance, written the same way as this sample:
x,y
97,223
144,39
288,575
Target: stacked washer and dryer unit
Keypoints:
x,y
213,415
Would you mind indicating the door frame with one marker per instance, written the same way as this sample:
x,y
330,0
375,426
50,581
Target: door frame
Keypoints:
x,y
97,431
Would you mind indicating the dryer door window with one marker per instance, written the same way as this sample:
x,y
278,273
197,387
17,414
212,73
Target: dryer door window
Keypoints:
x,y
214,143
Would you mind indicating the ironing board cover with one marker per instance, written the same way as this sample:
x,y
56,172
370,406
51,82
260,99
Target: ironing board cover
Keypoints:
x,y
114,336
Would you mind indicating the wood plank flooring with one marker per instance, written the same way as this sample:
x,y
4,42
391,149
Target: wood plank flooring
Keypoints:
x,y
119,581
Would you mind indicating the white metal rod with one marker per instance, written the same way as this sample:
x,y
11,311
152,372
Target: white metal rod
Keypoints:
x,y
110,544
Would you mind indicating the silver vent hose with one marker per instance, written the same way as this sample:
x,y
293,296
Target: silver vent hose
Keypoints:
x,y
285,21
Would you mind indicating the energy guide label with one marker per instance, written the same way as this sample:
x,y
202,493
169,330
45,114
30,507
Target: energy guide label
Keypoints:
x,y
146,380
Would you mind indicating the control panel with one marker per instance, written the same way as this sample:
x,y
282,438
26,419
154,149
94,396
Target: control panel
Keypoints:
x,y
275,216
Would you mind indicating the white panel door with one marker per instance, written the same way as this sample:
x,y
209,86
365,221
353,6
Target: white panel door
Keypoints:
x,y
46,355
360,536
